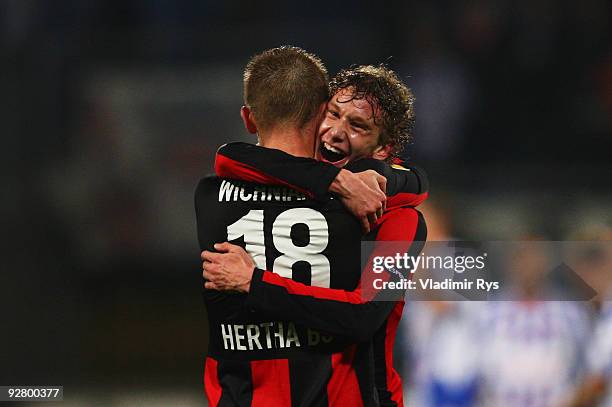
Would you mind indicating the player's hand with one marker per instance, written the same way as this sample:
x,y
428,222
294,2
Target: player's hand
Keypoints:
x,y
230,269
377,182
362,194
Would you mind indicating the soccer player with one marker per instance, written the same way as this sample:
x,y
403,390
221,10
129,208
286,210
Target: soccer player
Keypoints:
x,y
530,349
593,262
255,358
357,125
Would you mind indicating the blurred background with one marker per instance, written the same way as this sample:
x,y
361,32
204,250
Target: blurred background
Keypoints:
x,y
113,111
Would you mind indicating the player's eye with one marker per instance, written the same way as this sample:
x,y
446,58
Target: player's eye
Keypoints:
x,y
333,113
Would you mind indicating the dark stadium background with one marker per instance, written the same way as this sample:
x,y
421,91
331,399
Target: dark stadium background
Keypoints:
x,y
112,111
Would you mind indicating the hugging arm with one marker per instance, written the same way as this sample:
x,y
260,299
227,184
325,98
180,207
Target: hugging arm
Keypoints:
x,y
358,313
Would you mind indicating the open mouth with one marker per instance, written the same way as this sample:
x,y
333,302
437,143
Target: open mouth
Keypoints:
x,y
331,153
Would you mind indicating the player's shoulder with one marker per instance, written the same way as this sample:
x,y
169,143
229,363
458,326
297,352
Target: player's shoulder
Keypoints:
x,y
239,149
206,185
236,146
208,181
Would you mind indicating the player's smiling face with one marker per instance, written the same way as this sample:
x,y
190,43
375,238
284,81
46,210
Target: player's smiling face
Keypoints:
x,y
348,131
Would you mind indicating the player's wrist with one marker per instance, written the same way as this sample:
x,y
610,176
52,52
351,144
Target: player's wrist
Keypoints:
x,y
340,184
255,277
246,285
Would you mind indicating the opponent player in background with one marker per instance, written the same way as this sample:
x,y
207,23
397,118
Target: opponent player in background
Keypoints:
x,y
529,346
593,262
369,115
254,358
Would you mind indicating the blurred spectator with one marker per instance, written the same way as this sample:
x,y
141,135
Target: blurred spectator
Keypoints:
x,y
594,264
530,348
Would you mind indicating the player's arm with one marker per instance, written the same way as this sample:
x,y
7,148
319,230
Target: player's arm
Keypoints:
x,y
407,185
362,194
248,162
358,313
589,392
253,163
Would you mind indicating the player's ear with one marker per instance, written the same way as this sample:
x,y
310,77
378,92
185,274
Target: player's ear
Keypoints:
x,y
382,152
248,119
322,109
321,115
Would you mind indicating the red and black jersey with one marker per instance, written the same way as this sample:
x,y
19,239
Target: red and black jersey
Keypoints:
x,y
406,185
357,313
336,311
258,357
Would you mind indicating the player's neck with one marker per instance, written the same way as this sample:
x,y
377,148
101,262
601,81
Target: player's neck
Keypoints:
x,y
293,141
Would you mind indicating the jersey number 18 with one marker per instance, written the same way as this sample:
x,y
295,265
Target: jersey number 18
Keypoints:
x,y
251,227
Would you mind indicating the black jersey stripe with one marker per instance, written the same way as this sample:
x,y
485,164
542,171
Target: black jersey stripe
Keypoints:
x,y
364,360
236,383
309,378
384,394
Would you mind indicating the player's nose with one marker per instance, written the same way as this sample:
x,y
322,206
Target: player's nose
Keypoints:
x,y
338,134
